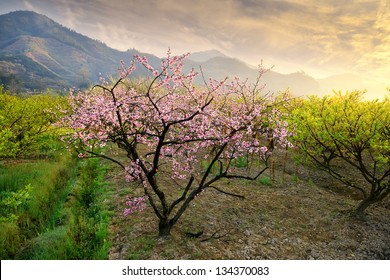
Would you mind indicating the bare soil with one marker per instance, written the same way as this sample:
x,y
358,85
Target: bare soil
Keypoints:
x,y
299,213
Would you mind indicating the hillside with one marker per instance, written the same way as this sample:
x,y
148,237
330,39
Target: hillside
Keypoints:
x,y
220,67
203,56
36,52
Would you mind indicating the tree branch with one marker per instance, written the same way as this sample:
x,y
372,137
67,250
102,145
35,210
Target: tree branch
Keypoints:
x,y
227,193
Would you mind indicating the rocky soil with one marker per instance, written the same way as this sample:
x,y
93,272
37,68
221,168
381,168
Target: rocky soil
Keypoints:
x,y
295,213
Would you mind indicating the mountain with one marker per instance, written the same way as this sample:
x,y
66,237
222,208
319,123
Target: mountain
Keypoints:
x,y
203,56
219,66
37,53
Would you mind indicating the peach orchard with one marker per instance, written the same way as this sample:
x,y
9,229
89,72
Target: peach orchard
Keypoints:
x,y
179,138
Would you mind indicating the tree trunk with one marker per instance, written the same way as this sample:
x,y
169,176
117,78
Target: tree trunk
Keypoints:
x,y
164,228
360,210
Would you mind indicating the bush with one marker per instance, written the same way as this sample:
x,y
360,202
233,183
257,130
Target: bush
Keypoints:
x,y
344,130
26,123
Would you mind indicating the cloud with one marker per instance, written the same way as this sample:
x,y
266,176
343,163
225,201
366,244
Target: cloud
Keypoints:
x,y
29,6
321,36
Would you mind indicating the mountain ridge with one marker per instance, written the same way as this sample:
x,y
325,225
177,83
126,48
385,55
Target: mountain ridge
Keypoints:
x,y
203,56
37,53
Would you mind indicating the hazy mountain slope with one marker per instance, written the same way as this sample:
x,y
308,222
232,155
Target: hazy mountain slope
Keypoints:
x,y
36,53
220,67
203,56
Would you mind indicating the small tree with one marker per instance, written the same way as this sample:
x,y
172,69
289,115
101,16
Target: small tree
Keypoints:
x,y
347,128
180,139
26,123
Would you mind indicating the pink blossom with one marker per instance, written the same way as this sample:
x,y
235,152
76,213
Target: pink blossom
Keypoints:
x,y
134,204
172,125
263,150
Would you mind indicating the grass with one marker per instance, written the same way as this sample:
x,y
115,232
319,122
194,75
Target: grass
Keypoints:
x,y
24,216
53,208
241,162
80,225
293,219
144,248
265,181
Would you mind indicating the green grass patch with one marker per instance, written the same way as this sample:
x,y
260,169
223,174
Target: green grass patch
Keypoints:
x,y
29,191
143,248
53,208
241,162
79,227
265,181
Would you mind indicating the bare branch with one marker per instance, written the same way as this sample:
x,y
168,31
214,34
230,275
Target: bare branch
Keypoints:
x,y
227,193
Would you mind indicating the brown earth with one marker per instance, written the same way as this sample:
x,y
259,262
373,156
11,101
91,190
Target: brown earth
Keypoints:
x,y
296,212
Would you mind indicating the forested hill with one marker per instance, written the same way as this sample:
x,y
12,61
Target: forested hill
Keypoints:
x,y
37,53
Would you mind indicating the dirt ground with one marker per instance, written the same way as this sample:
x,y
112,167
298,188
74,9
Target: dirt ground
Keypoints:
x,y
295,213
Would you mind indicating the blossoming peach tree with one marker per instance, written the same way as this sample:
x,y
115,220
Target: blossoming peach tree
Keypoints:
x,y
179,138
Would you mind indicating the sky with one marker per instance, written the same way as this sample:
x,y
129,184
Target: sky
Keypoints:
x,y
321,38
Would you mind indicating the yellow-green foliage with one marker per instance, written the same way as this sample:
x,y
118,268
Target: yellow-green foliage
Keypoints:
x,y
343,124
347,127
29,192
13,202
26,123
